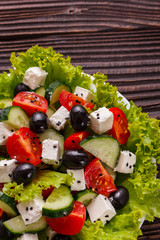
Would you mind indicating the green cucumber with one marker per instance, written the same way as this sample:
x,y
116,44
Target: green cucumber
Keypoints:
x,y
15,116
110,170
59,203
50,112
8,205
53,92
106,148
16,225
5,102
85,196
40,91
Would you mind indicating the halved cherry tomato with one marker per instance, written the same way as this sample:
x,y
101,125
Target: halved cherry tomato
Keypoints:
x,y
47,192
97,178
71,224
119,129
72,142
68,100
24,146
30,102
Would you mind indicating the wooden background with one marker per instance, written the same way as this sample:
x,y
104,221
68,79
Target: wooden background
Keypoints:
x,y
120,38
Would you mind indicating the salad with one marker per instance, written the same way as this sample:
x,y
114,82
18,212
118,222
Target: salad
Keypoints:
x,y
78,161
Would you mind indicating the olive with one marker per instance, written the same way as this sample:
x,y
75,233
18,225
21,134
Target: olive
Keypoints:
x,y
79,118
75,159
4,233
119,198
24,173
38,122
21,87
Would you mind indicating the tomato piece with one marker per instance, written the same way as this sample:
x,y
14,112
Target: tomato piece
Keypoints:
x,y
1,213
24,146
1,186
72,142
68,100
119,129
47,192
97,178
30,102
72,223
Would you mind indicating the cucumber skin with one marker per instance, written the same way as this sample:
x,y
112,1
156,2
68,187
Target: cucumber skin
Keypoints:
x,y
9,201
5,113
81,194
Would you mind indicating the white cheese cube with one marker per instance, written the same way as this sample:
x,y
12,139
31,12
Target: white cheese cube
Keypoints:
x,y
84,93
50,233
101,120
126,162
59,118
101,209
50,151
28,236
5,132
6,169
31,211
79,180
34,77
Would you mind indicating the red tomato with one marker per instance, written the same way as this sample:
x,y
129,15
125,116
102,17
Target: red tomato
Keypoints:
x,y
68,100
119,129
30,102
71,224
24,146
47,192
72,142
1,213
97,178
1,186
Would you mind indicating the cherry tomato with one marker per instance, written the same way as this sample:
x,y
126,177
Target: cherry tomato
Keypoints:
x,y
30,102
24,146
47,192
72,142
68,100
71,224
119,129
97,178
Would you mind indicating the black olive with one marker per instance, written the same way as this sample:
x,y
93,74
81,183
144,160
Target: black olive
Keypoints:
x,y
119,198
24,173
75,159
79,118
38,122
21,87
61,237
4,233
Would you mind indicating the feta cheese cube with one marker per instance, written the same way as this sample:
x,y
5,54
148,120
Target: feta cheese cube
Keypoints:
x,y
50,151
101,209
5,132
59,118
50,233
79,180
31,211
34,77
6,169
84,93
101,120
28,236
126,162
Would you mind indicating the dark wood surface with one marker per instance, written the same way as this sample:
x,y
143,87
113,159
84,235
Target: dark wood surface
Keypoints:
x,y
120,38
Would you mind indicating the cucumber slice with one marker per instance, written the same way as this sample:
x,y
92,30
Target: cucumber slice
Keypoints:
x,y
5,102
40,91
59,203
53,92
8,205
110,171
106,148
15,116
85,196
16,225
50,112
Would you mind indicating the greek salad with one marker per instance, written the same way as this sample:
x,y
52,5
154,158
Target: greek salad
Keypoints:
x,y
78,161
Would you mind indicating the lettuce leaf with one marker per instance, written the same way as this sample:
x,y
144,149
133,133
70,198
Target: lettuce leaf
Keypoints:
x,y
43,180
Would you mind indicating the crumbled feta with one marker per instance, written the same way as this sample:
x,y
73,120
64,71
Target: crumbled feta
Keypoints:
x,y
31,211
28,236
126,162
6,169
84,93
59,118
34,77
5,132
101,209
101,120
50,151
79,180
